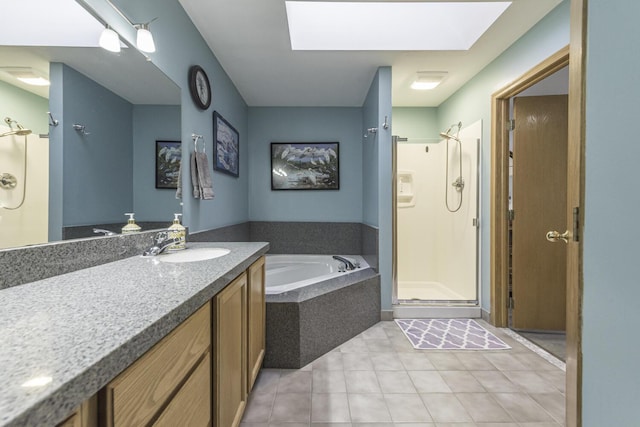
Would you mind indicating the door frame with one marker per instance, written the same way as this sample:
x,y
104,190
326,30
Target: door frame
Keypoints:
x,y
575,56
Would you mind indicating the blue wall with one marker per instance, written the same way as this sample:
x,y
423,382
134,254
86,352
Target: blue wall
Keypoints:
x,y
377,179
268,125
416,122
612,201
98,168
473,102
151,123
179,45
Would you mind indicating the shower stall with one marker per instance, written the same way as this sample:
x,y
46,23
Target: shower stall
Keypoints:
x,y
436,224
24,186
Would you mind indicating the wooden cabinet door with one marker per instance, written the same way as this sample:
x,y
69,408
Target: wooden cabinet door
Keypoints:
x,y
256,309
230,356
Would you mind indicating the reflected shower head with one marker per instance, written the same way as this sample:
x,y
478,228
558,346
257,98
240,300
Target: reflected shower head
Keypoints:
x,y
20,132
447,133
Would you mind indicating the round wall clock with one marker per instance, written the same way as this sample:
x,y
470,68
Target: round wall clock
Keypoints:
x,y
199,87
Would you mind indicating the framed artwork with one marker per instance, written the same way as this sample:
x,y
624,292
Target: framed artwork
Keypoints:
x,y
226,146
305,166
168,155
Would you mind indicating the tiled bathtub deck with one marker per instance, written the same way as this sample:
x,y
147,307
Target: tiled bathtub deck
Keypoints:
x,y
377,379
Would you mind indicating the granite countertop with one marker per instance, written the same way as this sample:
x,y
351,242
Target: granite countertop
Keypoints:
x,y
78,331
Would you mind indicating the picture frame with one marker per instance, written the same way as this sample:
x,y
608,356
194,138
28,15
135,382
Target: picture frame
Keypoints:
x,y
168,156
305,166
226,146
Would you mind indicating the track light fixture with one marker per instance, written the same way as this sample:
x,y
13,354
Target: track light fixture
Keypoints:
x,y
110,40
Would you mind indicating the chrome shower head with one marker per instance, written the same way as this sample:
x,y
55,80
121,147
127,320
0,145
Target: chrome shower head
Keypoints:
x,y
20,132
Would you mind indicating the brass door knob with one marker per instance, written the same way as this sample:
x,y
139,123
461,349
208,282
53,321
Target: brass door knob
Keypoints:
x,y
555,236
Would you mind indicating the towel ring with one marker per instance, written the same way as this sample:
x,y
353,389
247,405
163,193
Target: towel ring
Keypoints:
x,y
195,138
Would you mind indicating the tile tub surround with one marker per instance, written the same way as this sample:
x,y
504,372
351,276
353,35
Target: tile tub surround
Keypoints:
x,y
305,323
83,328
86,231
30,263
231,233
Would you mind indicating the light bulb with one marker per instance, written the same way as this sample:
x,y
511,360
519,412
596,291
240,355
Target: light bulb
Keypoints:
x,y
109,40
144,39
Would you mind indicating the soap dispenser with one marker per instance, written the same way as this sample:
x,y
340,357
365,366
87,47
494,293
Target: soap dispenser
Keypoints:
x,y
131,226
177,231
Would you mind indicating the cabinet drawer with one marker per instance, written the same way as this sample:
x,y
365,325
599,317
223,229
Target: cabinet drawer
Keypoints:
x,y
192,405
137,394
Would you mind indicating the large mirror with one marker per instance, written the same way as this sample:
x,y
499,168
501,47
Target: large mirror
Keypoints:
x,y
94,158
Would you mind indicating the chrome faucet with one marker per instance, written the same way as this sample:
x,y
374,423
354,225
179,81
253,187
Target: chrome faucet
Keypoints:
x,y
161,241
348,264
103,231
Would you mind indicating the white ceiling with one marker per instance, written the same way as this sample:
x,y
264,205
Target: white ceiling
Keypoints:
x,y
250,38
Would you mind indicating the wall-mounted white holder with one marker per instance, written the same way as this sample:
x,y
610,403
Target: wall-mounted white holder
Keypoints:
x,y
405,191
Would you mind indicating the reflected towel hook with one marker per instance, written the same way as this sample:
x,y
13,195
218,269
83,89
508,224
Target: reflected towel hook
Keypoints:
x,y
81,129
52,121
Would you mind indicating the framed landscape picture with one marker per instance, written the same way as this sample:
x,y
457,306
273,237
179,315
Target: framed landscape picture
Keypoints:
x,y
168,155
305,166
226,146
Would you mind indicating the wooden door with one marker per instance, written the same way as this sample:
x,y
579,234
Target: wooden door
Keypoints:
x,y
540,205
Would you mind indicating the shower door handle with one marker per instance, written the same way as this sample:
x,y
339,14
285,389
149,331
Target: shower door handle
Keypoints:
x,y
555,236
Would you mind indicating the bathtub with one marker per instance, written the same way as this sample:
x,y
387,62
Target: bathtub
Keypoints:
x,y
288,272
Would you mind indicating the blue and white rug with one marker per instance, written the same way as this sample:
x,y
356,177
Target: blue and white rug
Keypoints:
x,y
449,334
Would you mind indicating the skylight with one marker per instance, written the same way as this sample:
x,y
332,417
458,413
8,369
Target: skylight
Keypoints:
x,y
389,26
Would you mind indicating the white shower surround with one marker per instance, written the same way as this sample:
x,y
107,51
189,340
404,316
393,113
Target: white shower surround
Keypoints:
x,y
28,224
435,245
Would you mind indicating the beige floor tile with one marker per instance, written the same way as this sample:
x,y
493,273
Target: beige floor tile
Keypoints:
x,y
374,332
361,382
462,382
379,345
368,408
495,382
291,407
483,408
553,403
505,362
330,407
329,382
259,408
294,381
529,381
473,361
522,407
329,425
357,362
556,378
416,361
267,381
386,362
406,408
445,407
354,345
331,361
429,382
534,362
395,382
445,361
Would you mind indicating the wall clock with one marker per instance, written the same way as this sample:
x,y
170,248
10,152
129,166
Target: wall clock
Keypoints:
x,y
199,87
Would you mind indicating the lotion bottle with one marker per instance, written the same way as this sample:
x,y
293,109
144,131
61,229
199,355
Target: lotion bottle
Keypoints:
x,y
131,226
178,231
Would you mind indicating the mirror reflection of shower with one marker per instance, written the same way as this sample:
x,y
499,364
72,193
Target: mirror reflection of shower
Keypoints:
x,y
458,183
8,181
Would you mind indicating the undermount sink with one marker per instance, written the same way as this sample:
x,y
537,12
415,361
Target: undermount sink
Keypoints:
x,y
195,254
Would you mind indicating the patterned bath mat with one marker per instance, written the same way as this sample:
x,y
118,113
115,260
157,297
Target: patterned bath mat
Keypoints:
x,y
449,334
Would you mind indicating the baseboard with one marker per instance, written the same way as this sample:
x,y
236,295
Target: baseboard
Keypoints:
x,y
386,315
427,312
486,316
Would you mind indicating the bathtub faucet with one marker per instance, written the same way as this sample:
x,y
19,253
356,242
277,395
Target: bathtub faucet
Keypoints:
x,y
348,265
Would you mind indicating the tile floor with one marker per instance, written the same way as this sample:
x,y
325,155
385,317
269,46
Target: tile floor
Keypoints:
x,y
555,344
378,380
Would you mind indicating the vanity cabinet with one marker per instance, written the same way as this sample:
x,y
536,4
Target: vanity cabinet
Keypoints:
x,y
230,357
256,321
85,415
168,385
